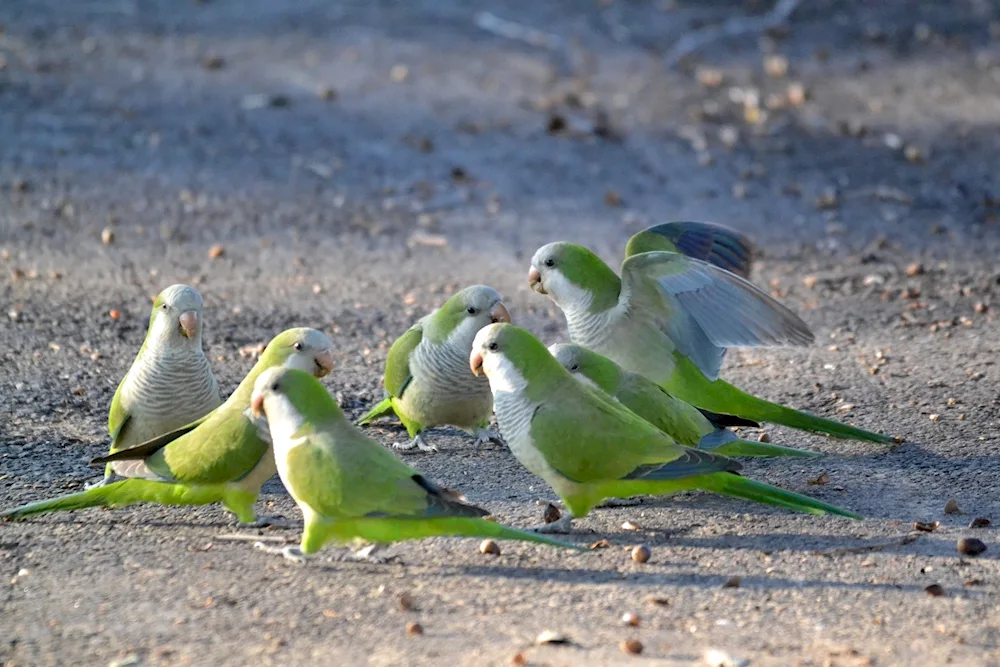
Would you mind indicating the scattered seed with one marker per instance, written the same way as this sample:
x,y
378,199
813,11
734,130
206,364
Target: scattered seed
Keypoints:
x,y
79,391
810,281
776,66
519,659
640,553
551,513
708,77
658,601
427,240
973,582
913,154
824,478
828,199
317,288
399,73
980,522
600,544
915,269
717,658
114,314
926,527
763,437
631,646
551,637
414,629
980,308
612,198
732,582
951,507
796,94
107,236
406,602
970,546
216,251
934,417
935,590
628,525
489,547
631,618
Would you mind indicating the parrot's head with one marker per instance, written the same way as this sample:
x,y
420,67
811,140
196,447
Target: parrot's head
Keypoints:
x,y
302,348
510,357
572,276
288,398
176,317
586,365
467,312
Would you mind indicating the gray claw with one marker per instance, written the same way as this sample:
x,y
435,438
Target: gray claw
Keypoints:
x,y
417,443
290,553
562,525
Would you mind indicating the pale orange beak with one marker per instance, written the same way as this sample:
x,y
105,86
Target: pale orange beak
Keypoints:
x,y
257,405
189,323
499,313
535,280
476,363
325,362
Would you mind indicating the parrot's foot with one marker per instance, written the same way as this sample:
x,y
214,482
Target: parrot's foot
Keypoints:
x,y
367,554
99,483
484,435
562,525
272,521
290,553
621,502
417,443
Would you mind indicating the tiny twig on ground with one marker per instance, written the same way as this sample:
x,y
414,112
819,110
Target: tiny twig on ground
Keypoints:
x,y
733,27
883,192
246,537
843,551
517,31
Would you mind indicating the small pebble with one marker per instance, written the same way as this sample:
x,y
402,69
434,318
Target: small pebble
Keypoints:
x,y
641,553
216,251
107,236
732,582
915,269
631,618
926,527
631,646
414,629
763,437
951,507
980,308
970,546
979,522
114,314
405,602
551,637
628,525
776,66
935,590
489,547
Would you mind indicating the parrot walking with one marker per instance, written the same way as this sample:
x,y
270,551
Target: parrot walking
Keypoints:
x,y
223,457
688,425
427,375
349,487
671,318
170,383
588,447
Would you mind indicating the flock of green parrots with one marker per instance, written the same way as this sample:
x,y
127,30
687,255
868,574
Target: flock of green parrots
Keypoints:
x,y
634,406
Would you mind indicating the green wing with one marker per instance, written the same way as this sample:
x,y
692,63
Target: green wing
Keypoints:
x,y
605,441
397,365
681,421
145,449
118,417
724,247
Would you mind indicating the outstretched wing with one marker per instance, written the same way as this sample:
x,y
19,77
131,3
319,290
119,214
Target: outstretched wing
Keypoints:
x,y
704,309
724,247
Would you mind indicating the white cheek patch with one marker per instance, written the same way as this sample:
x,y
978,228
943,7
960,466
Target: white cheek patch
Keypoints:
x,y
503,375
565,293
282,419
301,361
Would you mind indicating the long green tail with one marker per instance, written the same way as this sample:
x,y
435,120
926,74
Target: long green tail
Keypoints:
x,y
394,529
380,410
727,484
120,494
688,384
752,448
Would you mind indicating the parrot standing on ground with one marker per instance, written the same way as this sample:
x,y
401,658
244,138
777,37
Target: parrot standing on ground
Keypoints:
x,y
688,425
348,486
170,383
587,446
427,375
223,457
671,318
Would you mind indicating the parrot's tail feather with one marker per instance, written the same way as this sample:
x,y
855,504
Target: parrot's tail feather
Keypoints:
x,y
741,487
751,448
120,494
690,385
394,529
383,408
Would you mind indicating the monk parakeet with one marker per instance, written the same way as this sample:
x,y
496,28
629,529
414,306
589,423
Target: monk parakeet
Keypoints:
x,y
716,244
686,424
671,318
427,375
348,486
170,383
223,457
587,446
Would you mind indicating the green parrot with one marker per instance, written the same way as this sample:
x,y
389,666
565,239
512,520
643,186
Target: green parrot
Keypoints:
x,y
427,375
348,486
587,446
724,247
223,457
671,318
170,383
688,425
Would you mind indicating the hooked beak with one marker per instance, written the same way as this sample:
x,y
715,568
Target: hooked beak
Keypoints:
x,y
499,313
324,360
189,323
535,280
476,363
257,405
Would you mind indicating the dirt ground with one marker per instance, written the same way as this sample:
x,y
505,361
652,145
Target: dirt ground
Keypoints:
x,y
354,163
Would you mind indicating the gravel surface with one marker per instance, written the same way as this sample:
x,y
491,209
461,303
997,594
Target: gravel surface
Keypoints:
x,y
349,165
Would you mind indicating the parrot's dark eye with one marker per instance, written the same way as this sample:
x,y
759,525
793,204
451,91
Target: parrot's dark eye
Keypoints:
x,y
275,387
493,346
471,310
164,306
574,367
297,346
550,262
